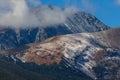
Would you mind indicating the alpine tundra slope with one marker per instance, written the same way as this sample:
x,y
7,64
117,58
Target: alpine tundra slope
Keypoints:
x,y
95,55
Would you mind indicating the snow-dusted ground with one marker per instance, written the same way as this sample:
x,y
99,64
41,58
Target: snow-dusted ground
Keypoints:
x,y
79,51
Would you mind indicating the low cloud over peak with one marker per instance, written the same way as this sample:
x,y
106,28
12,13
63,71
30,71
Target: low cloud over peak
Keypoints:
x,y
16,13
118,2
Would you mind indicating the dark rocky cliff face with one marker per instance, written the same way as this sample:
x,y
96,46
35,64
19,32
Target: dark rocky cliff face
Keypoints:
x,y
77,23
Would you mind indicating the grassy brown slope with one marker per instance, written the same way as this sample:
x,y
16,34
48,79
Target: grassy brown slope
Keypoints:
x,y
111,37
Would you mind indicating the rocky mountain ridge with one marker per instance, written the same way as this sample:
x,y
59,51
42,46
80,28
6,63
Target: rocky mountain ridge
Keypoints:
x,y
85,52
76,23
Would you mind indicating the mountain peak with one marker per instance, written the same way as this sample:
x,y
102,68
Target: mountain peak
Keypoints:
x,y
76,23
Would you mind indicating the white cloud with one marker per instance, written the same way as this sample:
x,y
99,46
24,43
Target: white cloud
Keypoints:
x,y
118,2
16,13
56,16
87,6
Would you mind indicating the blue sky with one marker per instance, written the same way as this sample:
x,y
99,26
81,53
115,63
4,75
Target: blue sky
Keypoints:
x,y
108,11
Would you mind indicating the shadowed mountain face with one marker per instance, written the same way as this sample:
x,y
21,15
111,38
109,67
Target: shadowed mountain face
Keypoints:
x,y
20,71
95,55
76,23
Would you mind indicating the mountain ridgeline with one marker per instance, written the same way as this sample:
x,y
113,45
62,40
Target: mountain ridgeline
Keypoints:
x,y
81,48
76,23
91,56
